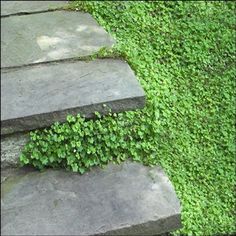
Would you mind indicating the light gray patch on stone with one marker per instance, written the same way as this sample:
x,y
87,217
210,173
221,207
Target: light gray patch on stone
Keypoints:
x,y
50,36
16,7
37,96
11,147
117,200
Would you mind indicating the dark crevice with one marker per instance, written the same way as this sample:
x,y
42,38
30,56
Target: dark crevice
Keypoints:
x,y
73,59
34,12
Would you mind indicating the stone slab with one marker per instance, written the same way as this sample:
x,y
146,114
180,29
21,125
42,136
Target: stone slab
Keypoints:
x,y
126,199
50,36
37,96
11,147
19,7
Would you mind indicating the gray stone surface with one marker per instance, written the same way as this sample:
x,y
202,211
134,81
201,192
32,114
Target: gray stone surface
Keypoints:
x,y
11,147
127,199
50,36
16,7
39,95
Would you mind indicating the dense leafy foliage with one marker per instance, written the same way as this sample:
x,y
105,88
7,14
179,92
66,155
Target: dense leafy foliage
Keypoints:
x,y
183,54
78,144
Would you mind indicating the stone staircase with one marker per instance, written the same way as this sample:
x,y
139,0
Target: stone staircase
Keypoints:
x,y
42,81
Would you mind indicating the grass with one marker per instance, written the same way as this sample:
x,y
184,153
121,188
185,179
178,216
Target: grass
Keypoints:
x,y
183,54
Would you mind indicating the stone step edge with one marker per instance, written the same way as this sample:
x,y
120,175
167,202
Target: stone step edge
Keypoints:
x,y
101,81
38,121
35,12
94,56
66,7
11,147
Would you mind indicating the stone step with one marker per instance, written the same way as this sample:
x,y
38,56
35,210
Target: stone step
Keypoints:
x,y
126,199
11,147
24,7
37,96
50,36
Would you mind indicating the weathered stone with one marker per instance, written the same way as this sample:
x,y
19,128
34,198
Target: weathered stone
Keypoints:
x,y
17,7
11,147
39,95
50,36
126,199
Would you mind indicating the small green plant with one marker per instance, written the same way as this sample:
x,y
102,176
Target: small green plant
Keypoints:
x,y
102,54
72,145
78,144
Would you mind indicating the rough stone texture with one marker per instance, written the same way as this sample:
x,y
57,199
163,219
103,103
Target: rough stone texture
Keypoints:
x,y
39,95
127,199
17,7
50,36
11,147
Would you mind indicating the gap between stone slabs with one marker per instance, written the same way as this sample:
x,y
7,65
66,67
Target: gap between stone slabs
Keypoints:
x,y
10,8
